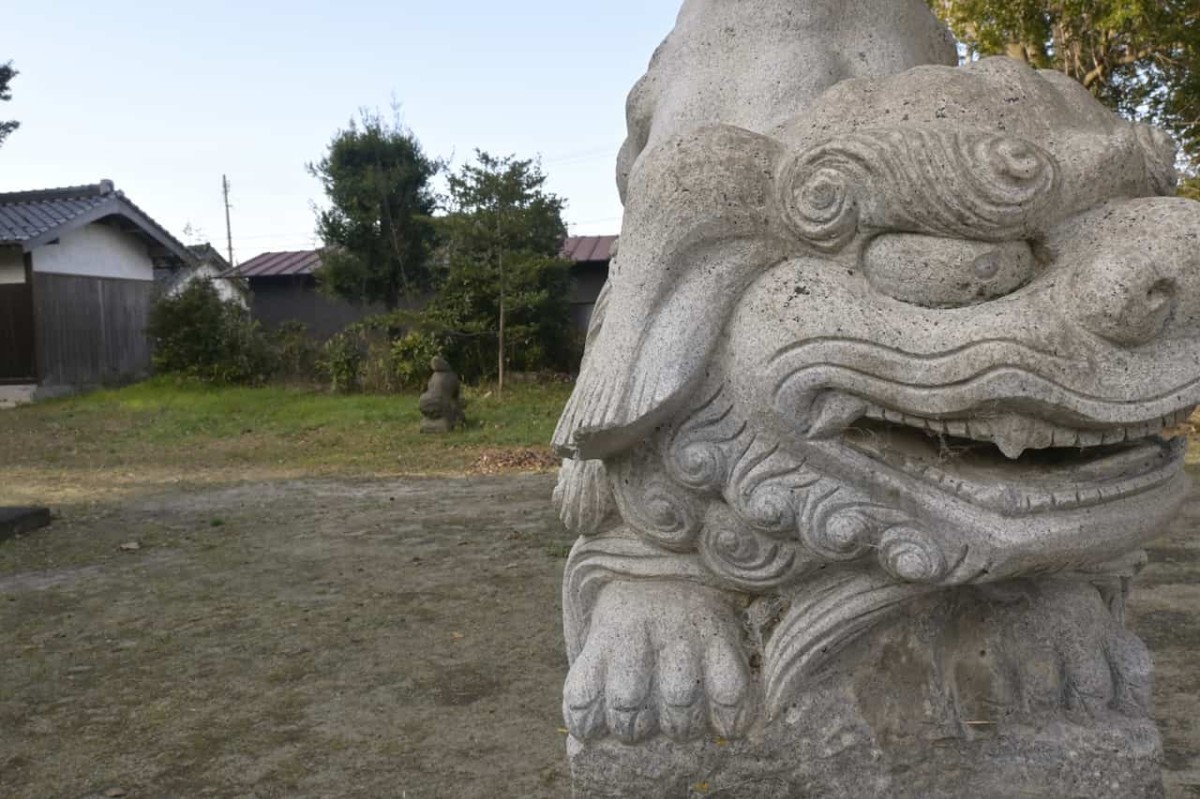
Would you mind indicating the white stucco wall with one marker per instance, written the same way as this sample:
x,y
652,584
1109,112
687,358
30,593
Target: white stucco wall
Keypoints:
x,y
225,289
96,251
12,265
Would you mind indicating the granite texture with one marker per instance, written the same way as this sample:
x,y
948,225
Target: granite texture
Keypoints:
x,y
873,422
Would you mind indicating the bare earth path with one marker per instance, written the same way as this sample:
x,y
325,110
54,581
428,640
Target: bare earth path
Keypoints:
x,y
348,638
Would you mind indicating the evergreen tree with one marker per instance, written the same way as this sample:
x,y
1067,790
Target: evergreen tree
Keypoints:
x,y
503,289
378,231
7,73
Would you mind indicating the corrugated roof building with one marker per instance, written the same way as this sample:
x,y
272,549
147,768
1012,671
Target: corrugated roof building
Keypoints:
x,y
284,286
592,255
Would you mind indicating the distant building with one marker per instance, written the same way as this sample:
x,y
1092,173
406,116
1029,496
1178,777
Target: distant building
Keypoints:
x,y
283,288
209,265
77,269
591,255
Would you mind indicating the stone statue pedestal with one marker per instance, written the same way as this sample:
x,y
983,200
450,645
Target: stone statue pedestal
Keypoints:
x,y
828,761
1033,690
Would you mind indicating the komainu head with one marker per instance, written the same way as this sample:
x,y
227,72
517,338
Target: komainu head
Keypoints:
x,y
940,319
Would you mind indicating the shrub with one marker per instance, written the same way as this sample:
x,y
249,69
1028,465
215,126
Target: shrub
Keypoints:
x,y
342,360
199,335
410,359
297,355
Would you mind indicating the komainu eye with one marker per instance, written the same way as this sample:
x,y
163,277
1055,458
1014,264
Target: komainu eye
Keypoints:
x,y
947,273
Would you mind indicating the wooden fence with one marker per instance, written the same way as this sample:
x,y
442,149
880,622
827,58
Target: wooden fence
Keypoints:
x,y
16,333
90,330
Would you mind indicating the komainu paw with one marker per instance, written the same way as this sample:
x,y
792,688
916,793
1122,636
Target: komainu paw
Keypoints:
x,y
660,658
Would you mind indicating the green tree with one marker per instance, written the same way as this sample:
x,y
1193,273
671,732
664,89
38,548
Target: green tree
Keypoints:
x,y
197,334
7,73
1139,57
378,231
503,290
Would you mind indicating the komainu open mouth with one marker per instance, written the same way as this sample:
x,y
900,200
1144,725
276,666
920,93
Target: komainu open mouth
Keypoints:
x,y
1019,465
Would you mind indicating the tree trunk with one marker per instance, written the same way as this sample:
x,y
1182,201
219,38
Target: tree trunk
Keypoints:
x,y
500,357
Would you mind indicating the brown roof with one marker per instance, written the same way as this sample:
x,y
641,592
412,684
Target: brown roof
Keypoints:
x,y
582,249
273,264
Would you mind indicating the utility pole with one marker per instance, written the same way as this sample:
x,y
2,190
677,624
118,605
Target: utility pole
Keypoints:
x,y
228,229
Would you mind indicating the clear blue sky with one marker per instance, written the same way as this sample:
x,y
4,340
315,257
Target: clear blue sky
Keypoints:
x,y
165,97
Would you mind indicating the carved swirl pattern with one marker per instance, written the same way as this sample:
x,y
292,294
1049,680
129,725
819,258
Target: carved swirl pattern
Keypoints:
x,y
949,183
744,558
758,516
911,555
842,533
767,488
662,511
698,454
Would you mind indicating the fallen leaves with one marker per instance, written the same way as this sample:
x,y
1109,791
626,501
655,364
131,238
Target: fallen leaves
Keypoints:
x,y
527,459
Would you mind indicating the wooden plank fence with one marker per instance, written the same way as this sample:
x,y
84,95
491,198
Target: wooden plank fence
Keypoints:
x,y
91,331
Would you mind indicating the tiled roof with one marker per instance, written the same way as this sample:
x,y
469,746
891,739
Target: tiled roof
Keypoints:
x,y
34,218
582,249
273,264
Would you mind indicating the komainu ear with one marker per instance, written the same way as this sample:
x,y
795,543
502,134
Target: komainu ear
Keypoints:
x,y
707,225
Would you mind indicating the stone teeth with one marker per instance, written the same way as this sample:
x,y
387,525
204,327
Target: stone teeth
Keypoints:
x,y
834,412
1014,434
979,429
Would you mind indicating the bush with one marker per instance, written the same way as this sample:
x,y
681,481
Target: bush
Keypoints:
x,y
342,360
199,335
379,355
410,359
297,355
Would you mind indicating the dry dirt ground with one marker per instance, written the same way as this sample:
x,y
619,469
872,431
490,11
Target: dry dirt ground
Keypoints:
x,y
382,639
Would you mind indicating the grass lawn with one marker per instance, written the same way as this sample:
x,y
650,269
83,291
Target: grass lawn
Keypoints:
x,y
165,432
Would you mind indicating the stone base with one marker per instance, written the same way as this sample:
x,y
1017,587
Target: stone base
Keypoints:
x,y
792,760
1017,691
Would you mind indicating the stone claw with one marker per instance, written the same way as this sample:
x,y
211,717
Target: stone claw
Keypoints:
x,y
659,658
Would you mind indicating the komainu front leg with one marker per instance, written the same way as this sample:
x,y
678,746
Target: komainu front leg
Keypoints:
x,y
660,657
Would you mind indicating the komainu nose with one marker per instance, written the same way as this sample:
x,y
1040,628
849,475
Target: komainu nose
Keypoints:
x,y
1125,297
1135,270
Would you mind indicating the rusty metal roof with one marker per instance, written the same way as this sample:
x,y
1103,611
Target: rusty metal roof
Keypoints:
x,y
583,249
276,264
33,218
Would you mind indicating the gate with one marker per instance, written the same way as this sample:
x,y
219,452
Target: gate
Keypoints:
x,y
17,362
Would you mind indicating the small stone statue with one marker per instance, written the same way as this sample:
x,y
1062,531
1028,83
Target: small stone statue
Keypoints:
x,y
868,436
440,404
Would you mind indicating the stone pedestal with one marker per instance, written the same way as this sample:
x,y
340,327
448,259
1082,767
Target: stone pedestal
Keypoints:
x,y
954,700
